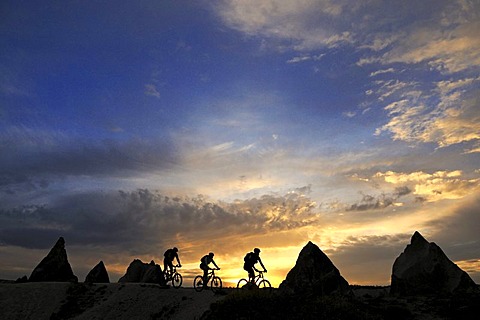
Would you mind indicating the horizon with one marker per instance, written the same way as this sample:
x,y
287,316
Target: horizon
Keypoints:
x,y
129,128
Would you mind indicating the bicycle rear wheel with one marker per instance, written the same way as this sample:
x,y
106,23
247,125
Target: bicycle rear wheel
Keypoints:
x,y
177,280
198,283
265,285
242,284
216,284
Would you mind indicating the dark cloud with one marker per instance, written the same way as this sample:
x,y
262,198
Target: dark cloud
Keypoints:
x,y
31,160
458,233
143,221
382,201
369,258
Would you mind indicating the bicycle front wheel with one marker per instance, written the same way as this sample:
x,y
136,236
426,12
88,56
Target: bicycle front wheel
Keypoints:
x,y
177,280
242,284
265,285
198,283
216,284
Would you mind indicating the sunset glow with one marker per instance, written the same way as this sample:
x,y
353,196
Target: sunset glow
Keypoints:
x,y
130,127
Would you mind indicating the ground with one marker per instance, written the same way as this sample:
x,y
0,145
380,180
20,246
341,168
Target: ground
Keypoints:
x,y
101,301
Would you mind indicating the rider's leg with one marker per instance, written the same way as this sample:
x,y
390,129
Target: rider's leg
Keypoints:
x,y
205,277
251,275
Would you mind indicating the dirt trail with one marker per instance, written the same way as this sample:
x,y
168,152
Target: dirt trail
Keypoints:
x,y
102,301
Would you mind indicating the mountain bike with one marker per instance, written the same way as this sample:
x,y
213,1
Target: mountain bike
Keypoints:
x,y
174,276
215,283
259,282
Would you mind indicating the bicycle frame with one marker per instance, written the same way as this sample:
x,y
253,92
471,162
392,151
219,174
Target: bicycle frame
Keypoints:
x,y
211,274
258,277
169,274
199,283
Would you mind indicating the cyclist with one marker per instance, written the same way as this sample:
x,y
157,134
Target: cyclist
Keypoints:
x,y
205,261
250,260
168,258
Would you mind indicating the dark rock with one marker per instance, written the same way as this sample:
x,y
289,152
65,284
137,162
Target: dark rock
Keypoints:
x,y
314,273
138,271
55,266
22,279
423,268
98,274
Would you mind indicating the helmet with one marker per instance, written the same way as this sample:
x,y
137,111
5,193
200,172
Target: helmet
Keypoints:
x,y
256,250
211,254
175,249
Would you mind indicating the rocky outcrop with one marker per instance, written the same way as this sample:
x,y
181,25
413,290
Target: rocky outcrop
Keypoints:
x,y
98,274
423,268
55,266
139,271
314,273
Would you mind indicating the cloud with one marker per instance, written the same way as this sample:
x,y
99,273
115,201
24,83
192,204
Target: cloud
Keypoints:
x,y
299,59
433,186
382,201
306,23
31,159
357,256
445,115
376,73
151,90
457,51
134,220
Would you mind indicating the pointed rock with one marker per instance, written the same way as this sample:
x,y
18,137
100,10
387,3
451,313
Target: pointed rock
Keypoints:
x,y
138,271
98,274
55,266
423,268
314,272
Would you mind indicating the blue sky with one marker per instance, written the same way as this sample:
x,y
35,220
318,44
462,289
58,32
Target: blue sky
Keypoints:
x,y
129,127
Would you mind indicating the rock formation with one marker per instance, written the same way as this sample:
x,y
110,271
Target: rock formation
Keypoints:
x,y
98,274
314,273
423,268
138,271
55,266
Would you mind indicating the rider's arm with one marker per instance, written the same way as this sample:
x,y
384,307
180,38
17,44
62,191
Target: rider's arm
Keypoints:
x,y
261,263
215,264
178,260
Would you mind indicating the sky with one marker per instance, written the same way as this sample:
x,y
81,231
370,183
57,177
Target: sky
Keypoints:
x,y
130,127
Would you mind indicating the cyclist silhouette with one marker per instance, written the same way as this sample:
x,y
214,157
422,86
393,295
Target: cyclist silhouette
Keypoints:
x,y
169,256
250,260
205,261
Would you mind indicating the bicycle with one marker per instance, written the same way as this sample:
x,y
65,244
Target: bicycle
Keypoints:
x,y
259,282
215,283
174,276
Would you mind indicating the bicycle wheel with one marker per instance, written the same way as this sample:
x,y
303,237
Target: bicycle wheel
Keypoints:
x,y
216,284
242,284
177,280
265,285
198,283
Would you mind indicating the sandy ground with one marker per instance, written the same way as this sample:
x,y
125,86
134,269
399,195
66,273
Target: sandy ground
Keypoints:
x,y
101,301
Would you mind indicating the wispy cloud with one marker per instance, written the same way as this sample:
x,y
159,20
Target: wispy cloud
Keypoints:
x,y
151,90
376,73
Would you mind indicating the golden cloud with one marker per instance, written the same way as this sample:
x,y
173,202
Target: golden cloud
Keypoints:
x,y
434,186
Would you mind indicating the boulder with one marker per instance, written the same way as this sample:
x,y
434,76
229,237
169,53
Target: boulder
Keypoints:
x,y
139,271
423,268
55,266
98,274
314,273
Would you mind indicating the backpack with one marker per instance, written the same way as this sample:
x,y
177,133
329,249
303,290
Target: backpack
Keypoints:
x,y
169,254
248,257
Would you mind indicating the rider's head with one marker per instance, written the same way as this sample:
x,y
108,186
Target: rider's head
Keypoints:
x,y
175,249
256,250
211,254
